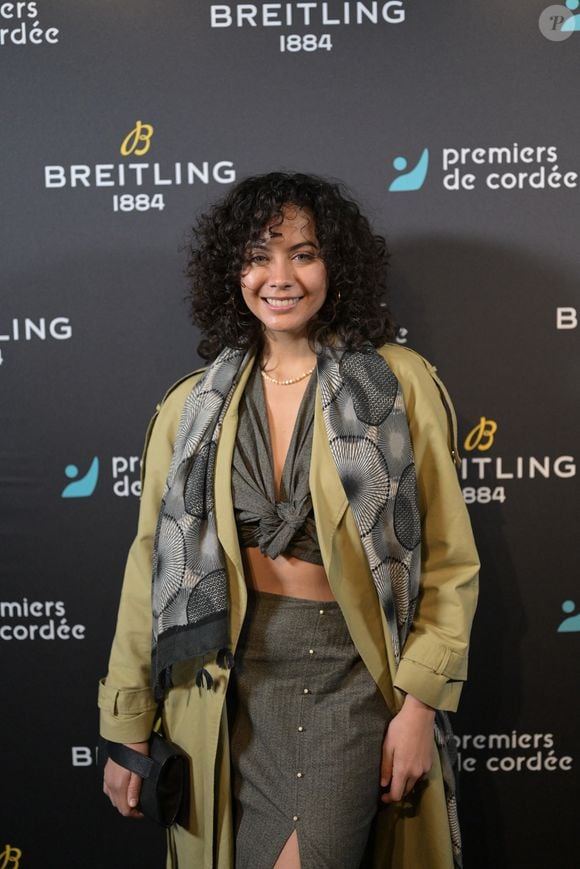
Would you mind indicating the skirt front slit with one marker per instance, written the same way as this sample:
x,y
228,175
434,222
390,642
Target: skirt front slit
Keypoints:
x,y
307,723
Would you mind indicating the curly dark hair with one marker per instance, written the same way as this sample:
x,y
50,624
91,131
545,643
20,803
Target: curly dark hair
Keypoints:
x,y
355,311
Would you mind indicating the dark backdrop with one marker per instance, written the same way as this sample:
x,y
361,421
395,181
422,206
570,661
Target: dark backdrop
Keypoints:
x,y
93,329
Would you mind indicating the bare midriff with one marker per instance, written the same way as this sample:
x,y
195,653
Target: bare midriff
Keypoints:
x,y
290,577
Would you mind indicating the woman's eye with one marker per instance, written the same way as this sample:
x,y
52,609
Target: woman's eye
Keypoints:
x,y
303,256
258,258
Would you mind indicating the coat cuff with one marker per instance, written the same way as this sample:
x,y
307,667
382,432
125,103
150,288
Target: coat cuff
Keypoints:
x,y
426,685
431,672
127,715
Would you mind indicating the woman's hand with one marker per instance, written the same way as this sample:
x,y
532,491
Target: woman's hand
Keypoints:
x,y
122,786
407,749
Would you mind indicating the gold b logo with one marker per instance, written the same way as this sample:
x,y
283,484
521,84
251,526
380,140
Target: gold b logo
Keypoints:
x,y
481,436
137,142
10,857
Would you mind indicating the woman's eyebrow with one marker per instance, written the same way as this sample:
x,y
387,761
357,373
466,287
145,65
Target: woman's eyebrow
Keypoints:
x,y
263,243
302,243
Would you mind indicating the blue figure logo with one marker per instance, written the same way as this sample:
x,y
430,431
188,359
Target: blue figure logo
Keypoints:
x,y
84,486
573,23
415,177
572,623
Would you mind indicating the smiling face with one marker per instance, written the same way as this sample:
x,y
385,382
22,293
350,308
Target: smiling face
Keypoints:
x,y
284,281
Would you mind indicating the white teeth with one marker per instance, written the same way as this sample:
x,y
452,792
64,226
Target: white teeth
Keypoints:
x,y
282,303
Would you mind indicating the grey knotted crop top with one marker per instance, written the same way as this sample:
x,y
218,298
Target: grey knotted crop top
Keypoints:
x,y
287,525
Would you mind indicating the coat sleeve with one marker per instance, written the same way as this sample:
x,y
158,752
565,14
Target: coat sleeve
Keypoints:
x,y
126,702
433,662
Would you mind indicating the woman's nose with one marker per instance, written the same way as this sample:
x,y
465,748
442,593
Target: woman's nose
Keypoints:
x,y
281,274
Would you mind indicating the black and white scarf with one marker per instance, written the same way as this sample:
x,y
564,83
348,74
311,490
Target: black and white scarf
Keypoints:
x,y
367,429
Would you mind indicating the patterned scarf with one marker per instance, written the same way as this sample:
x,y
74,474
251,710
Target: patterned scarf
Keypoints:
x,y
365,420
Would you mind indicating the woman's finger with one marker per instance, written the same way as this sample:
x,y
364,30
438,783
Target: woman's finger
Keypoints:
x,y
397,788
120,787
134,790
386,763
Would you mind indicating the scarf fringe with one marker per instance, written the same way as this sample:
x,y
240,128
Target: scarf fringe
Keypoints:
x,y
204,679
225,659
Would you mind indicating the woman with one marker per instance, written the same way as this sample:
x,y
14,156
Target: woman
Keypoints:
x,y
302,518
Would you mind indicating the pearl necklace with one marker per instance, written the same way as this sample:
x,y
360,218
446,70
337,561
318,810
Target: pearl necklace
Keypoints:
x,y
290,380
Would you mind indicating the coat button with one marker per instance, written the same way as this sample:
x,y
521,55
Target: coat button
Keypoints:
x,y
310,651
306,691
321,612
300,729
295,818
299,774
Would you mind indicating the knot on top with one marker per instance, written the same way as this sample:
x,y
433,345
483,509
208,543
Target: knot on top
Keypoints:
x,y
290,514
279,524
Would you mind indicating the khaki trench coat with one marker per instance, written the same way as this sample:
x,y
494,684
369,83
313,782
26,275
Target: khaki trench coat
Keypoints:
x,y
434,660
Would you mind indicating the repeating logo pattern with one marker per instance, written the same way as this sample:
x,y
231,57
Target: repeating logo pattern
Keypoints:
x,y
37,620
566,318
20,26
10,857
498,168
410,179
28,331
81,487
147,182
125,479
571,624
487,475
302,18
481,436
513,752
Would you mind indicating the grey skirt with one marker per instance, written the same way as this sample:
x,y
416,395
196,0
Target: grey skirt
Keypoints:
x,y
307,723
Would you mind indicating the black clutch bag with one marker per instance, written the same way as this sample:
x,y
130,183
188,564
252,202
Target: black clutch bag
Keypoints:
x,y
165,774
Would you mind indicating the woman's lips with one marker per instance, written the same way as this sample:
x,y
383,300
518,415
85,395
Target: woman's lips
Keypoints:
x,y
282,304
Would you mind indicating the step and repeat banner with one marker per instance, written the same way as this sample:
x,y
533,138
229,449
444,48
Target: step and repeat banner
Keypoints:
x,y
455,123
